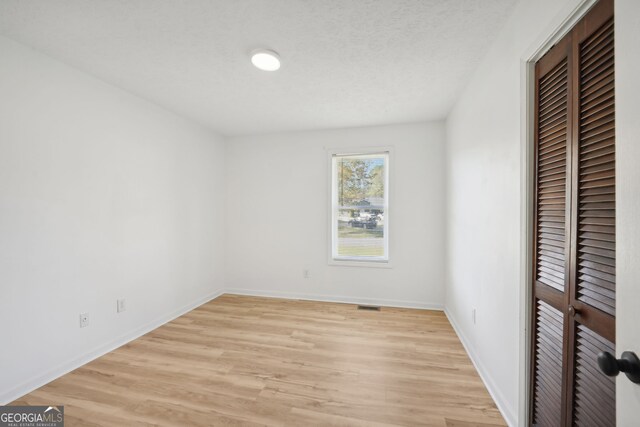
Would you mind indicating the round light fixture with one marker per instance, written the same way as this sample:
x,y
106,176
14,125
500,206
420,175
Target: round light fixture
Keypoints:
x,y
266,60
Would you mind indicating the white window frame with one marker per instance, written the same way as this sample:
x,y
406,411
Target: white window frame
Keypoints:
x,y
375,262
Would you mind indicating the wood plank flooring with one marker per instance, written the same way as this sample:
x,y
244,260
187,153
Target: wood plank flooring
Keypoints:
x,y
262,361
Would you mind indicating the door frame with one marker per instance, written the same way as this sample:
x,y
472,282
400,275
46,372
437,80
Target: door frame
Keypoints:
x,y
560,26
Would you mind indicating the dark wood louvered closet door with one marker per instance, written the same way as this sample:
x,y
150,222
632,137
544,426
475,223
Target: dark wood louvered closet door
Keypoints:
x,y
553,132
574,227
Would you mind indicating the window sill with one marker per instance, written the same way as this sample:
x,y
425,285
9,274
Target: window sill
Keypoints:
x,y
357,263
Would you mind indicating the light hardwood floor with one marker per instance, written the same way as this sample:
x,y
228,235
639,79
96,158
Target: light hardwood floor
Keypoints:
x,y
261,361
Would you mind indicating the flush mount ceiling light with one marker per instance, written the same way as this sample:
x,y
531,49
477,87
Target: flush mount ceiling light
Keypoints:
x,y
266,60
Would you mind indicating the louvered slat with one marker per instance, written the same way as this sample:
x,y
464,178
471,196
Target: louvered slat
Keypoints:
x,y
594,395
596,180
548,363
551,176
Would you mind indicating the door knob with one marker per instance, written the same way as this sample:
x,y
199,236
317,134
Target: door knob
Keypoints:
x,y
628,363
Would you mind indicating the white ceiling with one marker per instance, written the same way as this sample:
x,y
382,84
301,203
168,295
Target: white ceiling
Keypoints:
x,y
344,62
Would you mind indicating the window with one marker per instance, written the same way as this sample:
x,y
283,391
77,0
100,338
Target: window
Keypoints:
x,y
359,207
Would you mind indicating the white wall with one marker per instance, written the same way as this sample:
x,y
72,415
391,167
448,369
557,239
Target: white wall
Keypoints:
x,y
627,16
277,210
102,196
484,195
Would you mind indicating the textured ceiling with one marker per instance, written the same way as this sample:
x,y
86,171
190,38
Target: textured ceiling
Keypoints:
x,y
344,62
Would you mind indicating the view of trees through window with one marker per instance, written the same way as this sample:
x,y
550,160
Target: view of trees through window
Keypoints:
x,y
360,217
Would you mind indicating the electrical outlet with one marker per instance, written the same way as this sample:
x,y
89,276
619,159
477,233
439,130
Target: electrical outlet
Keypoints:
x,y
84,320
473,316
306,273
121,305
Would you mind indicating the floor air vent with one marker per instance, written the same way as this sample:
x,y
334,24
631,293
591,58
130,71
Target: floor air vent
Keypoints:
x,y
369,307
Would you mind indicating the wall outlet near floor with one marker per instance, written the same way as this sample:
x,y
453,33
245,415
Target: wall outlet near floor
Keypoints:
x,y
473,316
121,306
84,320
306,273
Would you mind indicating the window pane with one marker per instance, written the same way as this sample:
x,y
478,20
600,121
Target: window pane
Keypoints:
x,y
360,233
360,180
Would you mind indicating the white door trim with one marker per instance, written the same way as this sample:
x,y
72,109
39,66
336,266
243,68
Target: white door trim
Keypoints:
x,y
560,26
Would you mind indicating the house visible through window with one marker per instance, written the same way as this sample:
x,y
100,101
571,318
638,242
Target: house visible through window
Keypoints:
x,y
360,214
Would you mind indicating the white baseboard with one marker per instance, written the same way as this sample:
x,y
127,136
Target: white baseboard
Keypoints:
x,y
42,379
332,298
508,415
